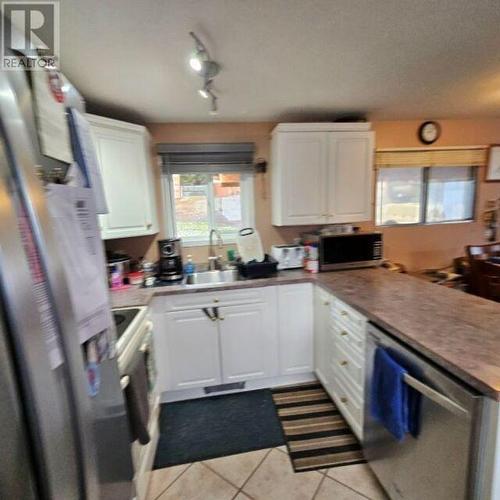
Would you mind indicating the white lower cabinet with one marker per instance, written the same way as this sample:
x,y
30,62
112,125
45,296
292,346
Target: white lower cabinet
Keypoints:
x,y
189,351
248,341
194,351
296,324
322,306
340,361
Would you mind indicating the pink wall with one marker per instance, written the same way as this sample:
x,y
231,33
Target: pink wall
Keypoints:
x,y
416,247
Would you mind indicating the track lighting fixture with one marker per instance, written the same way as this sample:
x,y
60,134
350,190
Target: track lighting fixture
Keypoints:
x,y
203,65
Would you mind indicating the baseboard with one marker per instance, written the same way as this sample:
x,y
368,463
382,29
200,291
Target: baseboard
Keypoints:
x,y
251,385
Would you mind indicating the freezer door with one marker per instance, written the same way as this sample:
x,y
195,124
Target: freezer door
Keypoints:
x,y
440,462
17,478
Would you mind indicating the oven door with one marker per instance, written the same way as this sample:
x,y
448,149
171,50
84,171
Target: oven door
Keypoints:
x,y
350,250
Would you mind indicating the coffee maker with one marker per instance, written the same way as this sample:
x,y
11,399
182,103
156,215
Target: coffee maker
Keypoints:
x,y
170,263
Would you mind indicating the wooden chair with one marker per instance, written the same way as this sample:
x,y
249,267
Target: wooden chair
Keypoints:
x,y
489,280
484,277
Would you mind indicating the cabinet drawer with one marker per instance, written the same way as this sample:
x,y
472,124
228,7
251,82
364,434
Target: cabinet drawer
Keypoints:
x,y
350,364
348,336
198,300
349,404
347,315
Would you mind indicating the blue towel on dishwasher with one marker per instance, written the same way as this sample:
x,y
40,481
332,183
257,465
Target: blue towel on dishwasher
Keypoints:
x,y
389,394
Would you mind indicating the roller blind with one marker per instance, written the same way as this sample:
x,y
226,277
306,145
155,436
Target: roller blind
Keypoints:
x,y
207,158
460,157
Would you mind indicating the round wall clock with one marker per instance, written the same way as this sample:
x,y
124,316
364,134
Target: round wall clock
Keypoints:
x,y
429,132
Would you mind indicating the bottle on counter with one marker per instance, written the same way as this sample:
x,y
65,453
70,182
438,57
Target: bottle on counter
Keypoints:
x,y
189,267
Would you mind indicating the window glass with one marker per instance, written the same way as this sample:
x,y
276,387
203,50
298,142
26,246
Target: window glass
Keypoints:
x,y
399,196
227,203
202,202
191,195
450,194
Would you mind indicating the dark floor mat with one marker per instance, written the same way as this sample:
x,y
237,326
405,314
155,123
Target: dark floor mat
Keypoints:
x,y
200,429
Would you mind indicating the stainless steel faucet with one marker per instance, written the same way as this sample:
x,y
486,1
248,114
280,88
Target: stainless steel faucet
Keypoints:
x,y
214,262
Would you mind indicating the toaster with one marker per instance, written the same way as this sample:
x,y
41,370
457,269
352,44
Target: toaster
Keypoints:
x,y
288,256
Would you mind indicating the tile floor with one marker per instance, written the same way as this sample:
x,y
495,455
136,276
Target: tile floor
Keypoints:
x,y
261,475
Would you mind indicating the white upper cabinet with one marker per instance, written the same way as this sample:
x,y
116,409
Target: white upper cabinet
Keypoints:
x,y
299,170
124,155
322,173
350,176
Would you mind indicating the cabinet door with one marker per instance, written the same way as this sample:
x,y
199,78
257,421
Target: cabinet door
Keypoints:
x,y
125,166
248,337
188,351
322,307
350,176
295,303
299,192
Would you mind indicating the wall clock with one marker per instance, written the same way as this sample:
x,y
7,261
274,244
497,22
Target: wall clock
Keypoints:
x,y
429,132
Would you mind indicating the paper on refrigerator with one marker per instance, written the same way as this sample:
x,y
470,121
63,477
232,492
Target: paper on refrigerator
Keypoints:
x,y
86,157
75,223
51,120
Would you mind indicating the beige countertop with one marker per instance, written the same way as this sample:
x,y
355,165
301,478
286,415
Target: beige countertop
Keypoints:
x,y
458,331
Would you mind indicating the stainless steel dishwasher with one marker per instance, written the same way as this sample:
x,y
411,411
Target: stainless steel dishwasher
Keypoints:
x,y
441,463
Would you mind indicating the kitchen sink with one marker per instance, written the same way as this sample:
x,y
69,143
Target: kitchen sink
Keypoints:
x,y
212,277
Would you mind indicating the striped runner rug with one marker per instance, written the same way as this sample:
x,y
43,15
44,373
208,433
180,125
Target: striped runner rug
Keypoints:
x,y
317,436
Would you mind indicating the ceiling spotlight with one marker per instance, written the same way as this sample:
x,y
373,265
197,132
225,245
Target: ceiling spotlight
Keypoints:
x,y
195,63
207,68
204,93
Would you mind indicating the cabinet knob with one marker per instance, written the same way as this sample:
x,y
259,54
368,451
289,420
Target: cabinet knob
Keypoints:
x,y
343,400
149,225
326,303
343,333
344,313
216,300
344,363
222,318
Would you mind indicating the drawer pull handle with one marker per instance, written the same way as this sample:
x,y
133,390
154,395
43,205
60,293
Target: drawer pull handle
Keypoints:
x,y
343,400
343,333
344,363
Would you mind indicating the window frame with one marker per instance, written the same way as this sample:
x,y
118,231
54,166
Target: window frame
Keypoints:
x,y
425,174
247,208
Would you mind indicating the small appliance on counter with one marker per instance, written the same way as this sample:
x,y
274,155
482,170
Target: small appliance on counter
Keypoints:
x,y
170,266
346,251
118,265
288,256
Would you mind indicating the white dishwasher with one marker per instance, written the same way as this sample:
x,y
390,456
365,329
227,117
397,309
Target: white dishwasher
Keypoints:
x,y
441,462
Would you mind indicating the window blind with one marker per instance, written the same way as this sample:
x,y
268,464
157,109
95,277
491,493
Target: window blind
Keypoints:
x,y
460,157
207,158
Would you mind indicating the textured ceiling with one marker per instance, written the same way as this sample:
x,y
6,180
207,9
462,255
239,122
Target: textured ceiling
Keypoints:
x,y
285,59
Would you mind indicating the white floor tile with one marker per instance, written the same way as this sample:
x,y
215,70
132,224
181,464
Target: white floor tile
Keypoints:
x,y
360,478
161,479
331,490
275,479
237,468
199,483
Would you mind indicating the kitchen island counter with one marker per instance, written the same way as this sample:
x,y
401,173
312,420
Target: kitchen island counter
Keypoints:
x,y
455,330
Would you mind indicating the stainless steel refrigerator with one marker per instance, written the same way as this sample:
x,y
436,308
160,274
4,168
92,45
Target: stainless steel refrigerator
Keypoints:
x,y
57,441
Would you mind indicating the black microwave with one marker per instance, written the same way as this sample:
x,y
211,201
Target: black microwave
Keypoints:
x,y
345,251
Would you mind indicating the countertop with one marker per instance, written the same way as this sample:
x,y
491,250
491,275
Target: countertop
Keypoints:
x,y
457,331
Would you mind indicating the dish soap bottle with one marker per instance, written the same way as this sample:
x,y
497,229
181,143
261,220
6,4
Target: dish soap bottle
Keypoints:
x,y
189,268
